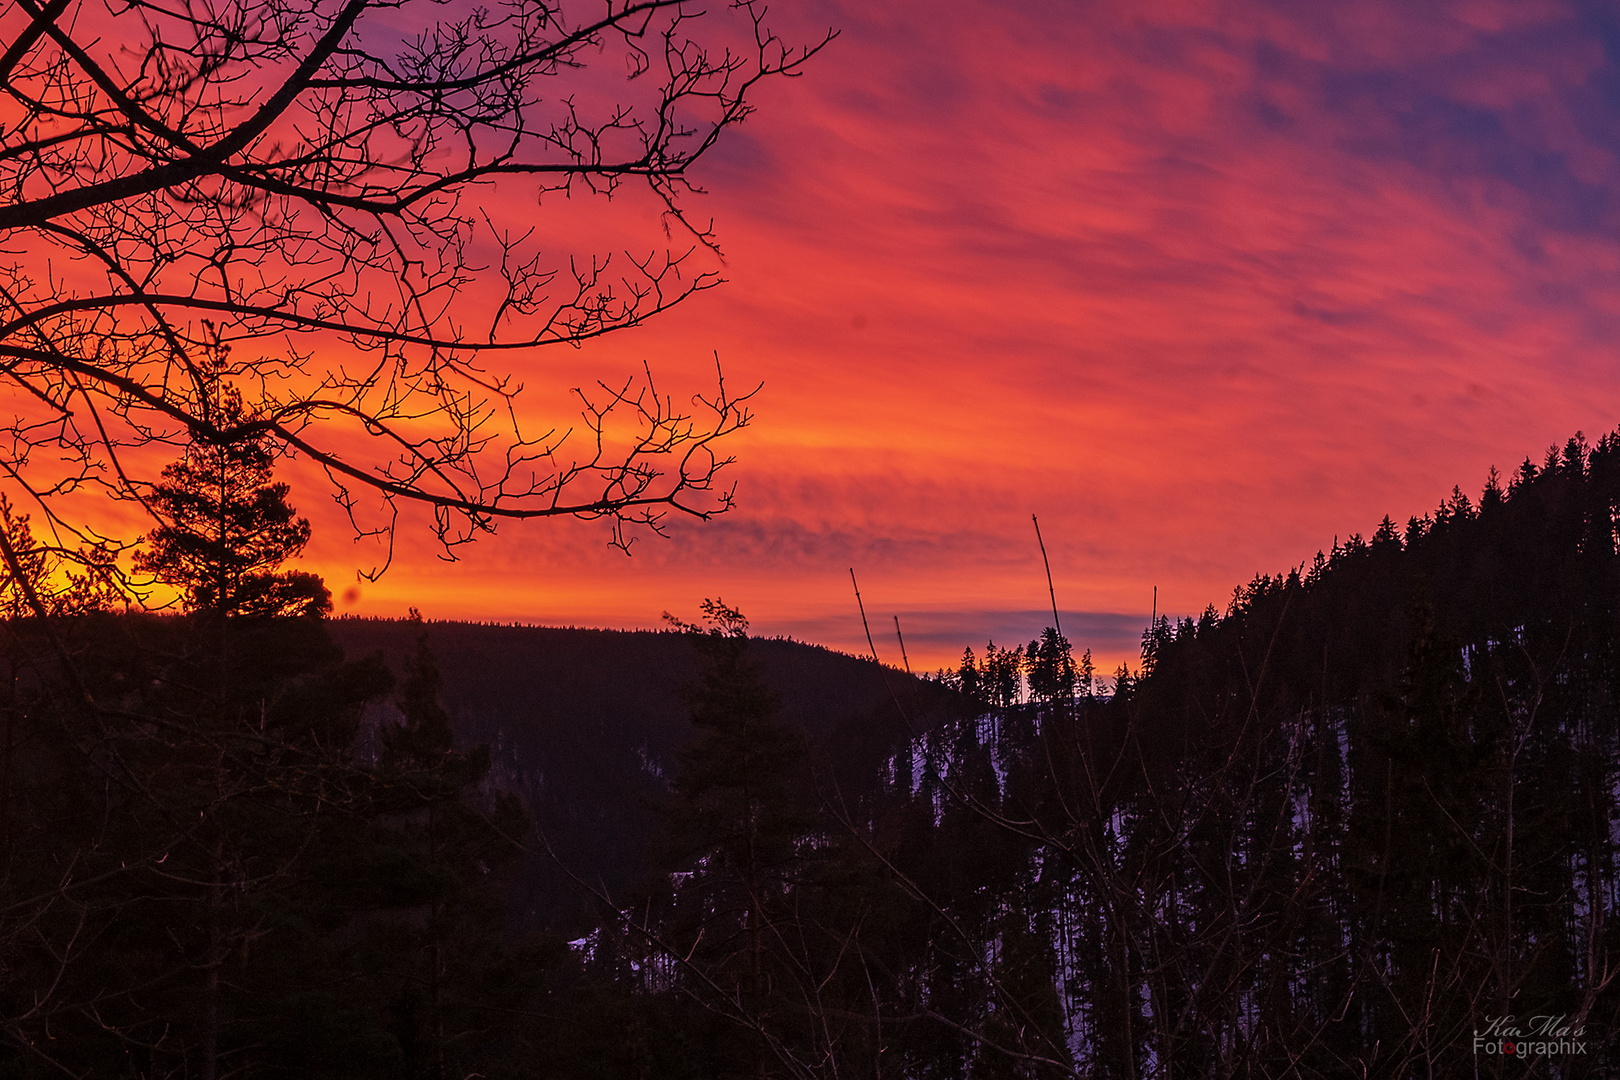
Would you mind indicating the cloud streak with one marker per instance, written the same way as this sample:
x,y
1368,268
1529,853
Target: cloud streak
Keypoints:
x,y
1202,285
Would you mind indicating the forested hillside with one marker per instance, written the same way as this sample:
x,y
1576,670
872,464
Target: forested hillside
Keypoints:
x,y
1362,822
1336,829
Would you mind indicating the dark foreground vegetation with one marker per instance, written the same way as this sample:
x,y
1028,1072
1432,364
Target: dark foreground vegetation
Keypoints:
x,y
1361,823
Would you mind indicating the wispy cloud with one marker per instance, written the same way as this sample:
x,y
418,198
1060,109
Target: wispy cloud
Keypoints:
x,y
1203,285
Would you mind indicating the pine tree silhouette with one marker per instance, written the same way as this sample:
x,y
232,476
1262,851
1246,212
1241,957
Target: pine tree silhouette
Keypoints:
x,y
227,527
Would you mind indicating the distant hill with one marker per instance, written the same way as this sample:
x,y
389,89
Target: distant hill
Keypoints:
x,y
584,725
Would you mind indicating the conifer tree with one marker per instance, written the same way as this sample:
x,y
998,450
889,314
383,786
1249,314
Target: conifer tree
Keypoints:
x,y
435,928
736,822
764,905
227,527
1051,671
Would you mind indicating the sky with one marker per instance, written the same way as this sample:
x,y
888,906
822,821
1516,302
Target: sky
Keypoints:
x,y
1204,286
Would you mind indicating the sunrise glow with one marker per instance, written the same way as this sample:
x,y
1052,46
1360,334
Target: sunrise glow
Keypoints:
x,y
1203,286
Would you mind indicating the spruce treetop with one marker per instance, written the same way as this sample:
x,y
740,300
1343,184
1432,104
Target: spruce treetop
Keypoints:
x,y
227,527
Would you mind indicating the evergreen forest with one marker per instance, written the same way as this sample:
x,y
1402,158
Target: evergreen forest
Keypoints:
x,y
1361,822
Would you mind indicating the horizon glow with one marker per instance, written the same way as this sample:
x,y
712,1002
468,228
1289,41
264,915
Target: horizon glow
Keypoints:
x,y
1203,286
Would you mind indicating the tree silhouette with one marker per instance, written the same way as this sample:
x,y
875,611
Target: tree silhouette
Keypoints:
x,y
227,527
312,180
736,827
439,936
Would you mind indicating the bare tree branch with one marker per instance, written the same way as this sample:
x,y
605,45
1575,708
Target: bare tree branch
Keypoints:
x,y
299,181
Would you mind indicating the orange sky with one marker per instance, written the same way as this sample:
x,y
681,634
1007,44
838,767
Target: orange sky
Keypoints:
x,y
1203,285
